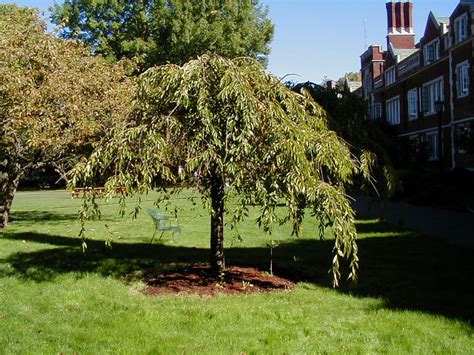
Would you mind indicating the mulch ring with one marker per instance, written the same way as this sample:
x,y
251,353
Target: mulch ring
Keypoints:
x,y
199,279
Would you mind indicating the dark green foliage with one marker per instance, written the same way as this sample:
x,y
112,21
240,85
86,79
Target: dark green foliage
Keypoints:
x,y
161,31
370,142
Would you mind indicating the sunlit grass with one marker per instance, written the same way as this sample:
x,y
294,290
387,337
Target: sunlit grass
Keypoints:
x,y
413,295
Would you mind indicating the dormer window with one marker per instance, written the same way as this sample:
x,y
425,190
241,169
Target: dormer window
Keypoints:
x,y
460,28
390,76
431,52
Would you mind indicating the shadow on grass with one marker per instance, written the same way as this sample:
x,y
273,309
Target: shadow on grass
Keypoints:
x,y
406,270
34,217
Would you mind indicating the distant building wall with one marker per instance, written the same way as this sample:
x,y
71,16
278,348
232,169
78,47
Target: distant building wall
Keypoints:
x,y
402,83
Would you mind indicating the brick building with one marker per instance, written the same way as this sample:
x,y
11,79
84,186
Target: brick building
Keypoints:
x,y
406,83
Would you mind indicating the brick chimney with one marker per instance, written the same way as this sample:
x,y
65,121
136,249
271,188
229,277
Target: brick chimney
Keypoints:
x,y
400,24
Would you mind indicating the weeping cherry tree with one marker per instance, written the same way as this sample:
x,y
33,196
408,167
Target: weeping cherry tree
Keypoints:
x,y
249,137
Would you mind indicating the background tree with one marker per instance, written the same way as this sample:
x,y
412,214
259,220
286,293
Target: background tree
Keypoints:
x,y
368,140
351,76
160,31
251,139
55,99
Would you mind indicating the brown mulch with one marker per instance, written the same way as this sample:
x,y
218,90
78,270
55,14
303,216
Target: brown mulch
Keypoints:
x,y
199,279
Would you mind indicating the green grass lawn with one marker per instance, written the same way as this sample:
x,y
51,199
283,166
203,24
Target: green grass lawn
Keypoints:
x,y
414,294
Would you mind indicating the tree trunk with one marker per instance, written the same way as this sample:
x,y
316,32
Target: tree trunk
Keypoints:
x,y
7,195
62,170
217,223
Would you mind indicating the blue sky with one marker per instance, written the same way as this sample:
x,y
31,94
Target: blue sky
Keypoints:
x,y
323,38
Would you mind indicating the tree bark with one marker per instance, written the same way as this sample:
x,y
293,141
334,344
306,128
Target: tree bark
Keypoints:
x,y
6,196
217,223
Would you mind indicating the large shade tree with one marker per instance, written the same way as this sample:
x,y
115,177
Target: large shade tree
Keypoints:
x,y
247,136
55,99
160,31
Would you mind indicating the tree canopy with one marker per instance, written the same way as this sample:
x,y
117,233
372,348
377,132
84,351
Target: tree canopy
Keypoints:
x,y
55,99
247,136
161,31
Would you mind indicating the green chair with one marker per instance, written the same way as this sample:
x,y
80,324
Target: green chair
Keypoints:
x,y
163,224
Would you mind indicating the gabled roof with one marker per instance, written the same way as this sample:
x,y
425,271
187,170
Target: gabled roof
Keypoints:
x,y
432,20
440,23
400,54
469,3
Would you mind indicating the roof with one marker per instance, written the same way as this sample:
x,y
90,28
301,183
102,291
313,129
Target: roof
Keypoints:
x,y
442,20
353,85
403,53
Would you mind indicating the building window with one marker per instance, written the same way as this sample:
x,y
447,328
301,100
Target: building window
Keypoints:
x,y
460,28
431,51
367,83
393,111
447,42
465,138
432,145
412,104
432,92
462,79
376,111
390,76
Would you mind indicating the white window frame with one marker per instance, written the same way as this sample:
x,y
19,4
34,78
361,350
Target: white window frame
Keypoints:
x,y
462,79
390,76
432,144
392,107
435,91
434,45
460,28
412,100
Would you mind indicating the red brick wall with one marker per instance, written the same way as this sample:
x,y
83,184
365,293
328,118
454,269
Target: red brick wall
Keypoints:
x,y
377,54
402,41
408,14
399,15
463,107
377,69
401,88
